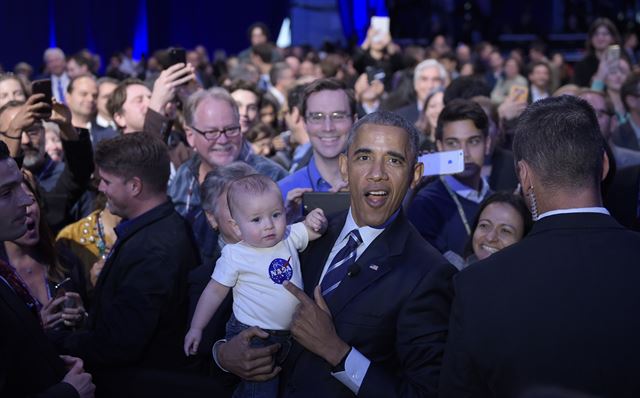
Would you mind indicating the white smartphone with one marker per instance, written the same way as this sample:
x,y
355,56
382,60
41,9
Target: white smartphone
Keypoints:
x,y
442,163
381,24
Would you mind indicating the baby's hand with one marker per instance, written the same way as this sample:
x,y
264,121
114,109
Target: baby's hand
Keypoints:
x,y
316,221
192,341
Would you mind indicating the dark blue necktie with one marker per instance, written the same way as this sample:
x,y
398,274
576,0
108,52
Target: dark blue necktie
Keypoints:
x,y
340,264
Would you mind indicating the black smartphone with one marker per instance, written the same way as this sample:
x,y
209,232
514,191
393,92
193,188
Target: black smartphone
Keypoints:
x,y
177,55
331,203
61,288
43,87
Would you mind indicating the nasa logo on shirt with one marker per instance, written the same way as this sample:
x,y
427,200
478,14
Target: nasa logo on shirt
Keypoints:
x,y
280,270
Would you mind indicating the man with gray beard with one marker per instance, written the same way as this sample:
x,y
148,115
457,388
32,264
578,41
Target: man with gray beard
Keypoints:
x,y
61,183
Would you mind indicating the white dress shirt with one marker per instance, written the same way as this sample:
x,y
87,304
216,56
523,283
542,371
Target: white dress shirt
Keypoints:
x,y
600,210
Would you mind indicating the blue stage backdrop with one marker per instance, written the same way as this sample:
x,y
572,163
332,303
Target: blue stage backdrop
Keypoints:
x,y
28,27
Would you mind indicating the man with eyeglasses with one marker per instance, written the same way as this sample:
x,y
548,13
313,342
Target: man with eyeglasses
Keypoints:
x,y
213,130
329,110
62,183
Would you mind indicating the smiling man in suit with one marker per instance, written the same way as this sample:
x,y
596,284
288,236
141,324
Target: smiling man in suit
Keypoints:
x,y
372,320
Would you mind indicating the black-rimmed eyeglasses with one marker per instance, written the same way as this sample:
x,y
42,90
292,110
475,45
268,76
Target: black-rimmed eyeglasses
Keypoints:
x,y
212,135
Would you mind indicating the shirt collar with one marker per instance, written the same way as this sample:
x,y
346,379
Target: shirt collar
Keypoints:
x,y
314,175
600,210
368,234
104,123
467,192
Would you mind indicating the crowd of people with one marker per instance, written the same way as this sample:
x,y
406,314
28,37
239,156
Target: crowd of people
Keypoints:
x,y
260,225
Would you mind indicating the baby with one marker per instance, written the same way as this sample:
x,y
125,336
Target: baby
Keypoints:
x,y
255,268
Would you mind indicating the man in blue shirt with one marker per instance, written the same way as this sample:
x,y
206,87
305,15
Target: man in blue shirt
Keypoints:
x,y
444,210
328,109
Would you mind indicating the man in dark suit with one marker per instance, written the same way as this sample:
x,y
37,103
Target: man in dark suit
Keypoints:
x,y
378,326
623,198
428,77
553,310
29,364
138,319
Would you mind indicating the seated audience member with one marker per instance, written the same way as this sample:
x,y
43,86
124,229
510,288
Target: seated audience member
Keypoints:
x,y
11,89
137,319
395,350
609,79
52,141
261,136
298,140
42,266
328,109
378,52
213,129
624,157
428,120
429,76
510,80
602,33
500,340
215,216
62,183
503,219
102,124
134,107
627,135
81,97
368,94
442,210
268,244
78,65
247,98
539,81
282,78
30,364
269,111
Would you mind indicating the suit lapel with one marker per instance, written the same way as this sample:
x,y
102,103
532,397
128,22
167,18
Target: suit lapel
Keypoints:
x,y
373,264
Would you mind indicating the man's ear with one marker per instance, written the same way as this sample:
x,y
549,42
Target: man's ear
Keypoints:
x,y
135,185
190,136
344,169
120,120
524,175
439,145
605,165
418,171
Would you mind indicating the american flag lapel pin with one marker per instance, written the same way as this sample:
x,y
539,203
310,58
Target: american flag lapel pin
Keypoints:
x,y
373,267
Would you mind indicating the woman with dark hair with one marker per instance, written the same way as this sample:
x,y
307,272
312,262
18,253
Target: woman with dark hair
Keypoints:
x,y
602,33
428,120
43,269
503,219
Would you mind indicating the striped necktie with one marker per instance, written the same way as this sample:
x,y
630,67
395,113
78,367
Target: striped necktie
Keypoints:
x,y
340,264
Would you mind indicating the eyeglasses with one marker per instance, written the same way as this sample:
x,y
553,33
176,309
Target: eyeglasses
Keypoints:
x,y
212,135
319,117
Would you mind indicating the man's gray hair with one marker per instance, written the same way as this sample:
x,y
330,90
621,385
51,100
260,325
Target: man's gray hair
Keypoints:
x,y
216,93
430,63
217,181
52,51
386,118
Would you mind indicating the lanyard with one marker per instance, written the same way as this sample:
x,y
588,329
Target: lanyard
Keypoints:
x,y
458,205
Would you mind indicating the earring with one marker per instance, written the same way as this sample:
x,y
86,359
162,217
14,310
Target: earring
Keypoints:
x,y
533,203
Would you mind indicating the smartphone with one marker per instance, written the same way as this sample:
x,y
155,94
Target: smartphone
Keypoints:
x,y
442,163
374,73
177,55
613,52
519,93
381,24
43,87
331,203
61,288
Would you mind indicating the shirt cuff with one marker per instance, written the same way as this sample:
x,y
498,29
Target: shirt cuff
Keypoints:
x,y
214,351
355,369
